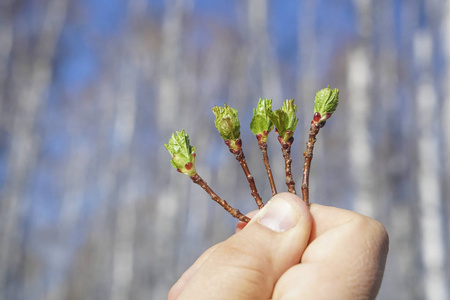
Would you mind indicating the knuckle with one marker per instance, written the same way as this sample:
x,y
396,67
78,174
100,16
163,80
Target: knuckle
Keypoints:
x,y
367,266
254,266
377,234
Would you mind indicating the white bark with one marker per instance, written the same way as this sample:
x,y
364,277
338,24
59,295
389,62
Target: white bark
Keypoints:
x,y
445,112
123,253
30,86
262,51
361,152
124,132
359,84
123,257
428,174
6,43
307,49
168,205
168,106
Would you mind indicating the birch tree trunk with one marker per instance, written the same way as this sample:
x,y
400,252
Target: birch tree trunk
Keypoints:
x,y
307,49
445,112
360,106
30,86
428,173
167,206
123,258
261,50
6,43
392,153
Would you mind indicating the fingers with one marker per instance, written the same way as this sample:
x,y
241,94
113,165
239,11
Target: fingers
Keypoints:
x,y
248,264
346,258
178,287
240,225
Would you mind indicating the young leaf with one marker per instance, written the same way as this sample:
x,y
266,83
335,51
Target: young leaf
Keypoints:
x,y
261,123
227,123
325,103
285,119
183,154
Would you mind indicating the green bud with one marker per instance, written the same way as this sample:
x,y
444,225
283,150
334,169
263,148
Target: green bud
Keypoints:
x,y
183,154
261,124
227,122
285,119
326,102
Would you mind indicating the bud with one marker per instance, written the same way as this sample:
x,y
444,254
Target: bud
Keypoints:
x,y
183,154
285,119
261,124
228,125
325,103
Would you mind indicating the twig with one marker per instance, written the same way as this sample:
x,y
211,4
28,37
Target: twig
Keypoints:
x,y
308,154
261,126
233,211
285,121
325,103
183,159
240,157
263,147
227,123
286,149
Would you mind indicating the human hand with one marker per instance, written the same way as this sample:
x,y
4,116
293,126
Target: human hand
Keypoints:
x,y
288,251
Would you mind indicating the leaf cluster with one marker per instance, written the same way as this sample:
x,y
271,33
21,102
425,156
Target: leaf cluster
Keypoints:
x,y
326,102
285,119
227,122
261,123
183,154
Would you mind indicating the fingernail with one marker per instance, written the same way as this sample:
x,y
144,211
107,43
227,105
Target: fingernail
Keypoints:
x,y
279,215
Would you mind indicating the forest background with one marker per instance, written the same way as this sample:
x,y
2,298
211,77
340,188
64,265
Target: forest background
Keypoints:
x,y
90,90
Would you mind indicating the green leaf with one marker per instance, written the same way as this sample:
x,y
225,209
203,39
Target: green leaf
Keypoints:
x,y
326,102
261,123
285,119
183,154
227,122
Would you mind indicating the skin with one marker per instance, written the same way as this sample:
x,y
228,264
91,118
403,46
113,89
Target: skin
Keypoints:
x,y
289,251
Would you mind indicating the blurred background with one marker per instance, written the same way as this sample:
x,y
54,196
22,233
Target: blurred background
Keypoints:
x,y
90,91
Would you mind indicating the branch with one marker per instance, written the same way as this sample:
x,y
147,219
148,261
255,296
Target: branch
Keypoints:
x,y
234,212
308,154
240,157
261,126
263,147
325,104
285,121
286,149
183,159
227,123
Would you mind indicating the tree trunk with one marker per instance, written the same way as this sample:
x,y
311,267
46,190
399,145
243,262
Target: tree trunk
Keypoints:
x,y
429,173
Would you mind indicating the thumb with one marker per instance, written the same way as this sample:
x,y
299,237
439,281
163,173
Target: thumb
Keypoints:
x,y
248,264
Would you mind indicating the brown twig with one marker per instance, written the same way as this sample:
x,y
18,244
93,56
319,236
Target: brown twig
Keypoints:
x,y
239,155
286,149
263,147
233,211
308,154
